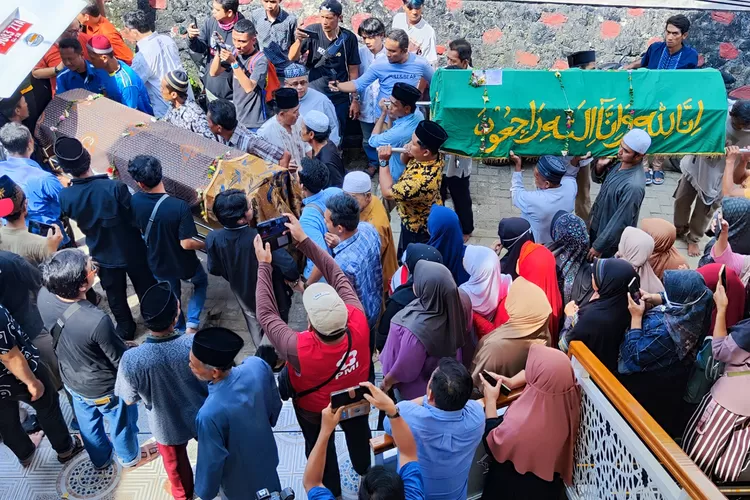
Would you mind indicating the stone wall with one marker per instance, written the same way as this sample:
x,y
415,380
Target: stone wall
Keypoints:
x,y
509,34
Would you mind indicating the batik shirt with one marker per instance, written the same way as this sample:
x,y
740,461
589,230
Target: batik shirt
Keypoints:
x,y
191,117
12,336
416,191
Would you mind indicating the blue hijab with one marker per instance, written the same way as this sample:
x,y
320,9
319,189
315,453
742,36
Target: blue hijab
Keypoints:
x,y
447,237
687,313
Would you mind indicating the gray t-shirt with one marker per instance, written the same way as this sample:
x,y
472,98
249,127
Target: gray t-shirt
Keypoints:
x,y
251,106
157,373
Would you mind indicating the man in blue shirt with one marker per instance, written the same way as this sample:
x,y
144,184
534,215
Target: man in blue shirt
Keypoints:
x,y
401,108
237,453
313,179
129,90
379,482
447,427
672,53
400,66
79,73
42,189
356,249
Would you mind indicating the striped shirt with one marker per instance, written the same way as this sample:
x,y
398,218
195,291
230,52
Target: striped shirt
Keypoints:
x,y
254,144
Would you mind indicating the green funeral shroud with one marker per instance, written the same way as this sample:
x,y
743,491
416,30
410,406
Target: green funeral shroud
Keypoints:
x,y
684,111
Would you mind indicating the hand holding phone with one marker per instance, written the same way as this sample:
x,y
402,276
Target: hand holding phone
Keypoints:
x,y
634,290
273,231
504,389
352,401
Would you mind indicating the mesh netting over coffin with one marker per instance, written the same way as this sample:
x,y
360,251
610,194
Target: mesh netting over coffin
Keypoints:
x,y
115,134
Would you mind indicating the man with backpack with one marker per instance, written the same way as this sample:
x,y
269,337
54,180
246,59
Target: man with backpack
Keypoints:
x,y
251,78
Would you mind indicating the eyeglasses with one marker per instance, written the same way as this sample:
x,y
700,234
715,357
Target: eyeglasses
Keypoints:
x,y
94,269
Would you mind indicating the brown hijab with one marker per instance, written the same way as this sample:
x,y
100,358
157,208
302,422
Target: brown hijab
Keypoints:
x,y
665,256
505,349
538,432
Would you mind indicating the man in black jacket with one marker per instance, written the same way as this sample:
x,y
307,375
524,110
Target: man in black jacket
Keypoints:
x,y
231,255
224,15
101,208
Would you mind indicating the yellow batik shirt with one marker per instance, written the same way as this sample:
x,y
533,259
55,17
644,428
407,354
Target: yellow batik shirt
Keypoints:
x,y
416,191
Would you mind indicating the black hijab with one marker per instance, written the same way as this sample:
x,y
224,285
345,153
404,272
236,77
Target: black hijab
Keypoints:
x,y
404,294
602,322
513,233
740,332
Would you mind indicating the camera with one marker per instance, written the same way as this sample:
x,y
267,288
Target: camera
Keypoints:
x,y
285,494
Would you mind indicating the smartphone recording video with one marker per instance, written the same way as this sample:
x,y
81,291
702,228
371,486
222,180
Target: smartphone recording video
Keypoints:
x,y
272,231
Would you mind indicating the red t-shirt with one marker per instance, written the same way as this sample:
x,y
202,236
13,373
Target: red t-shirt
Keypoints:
x,y
319,360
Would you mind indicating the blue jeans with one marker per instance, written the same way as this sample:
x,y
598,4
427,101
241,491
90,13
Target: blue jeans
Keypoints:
x,y
371,152
197,300
123,427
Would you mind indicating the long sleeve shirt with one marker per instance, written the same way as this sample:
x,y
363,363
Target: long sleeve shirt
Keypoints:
x,y
738,263
283,338
616,207
236,449
399,134
540,206
313,222
648,348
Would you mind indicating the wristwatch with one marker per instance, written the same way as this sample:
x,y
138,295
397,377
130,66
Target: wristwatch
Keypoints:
x,y
235,65
383,163
395,415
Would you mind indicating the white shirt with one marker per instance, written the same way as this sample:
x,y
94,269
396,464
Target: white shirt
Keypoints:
x,y
157,55
540,206
369,111
275,133
320,102
420,34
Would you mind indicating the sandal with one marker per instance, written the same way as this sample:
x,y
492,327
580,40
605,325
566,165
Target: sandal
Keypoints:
x,y
36,438
649,176
77,448
658,177
149,453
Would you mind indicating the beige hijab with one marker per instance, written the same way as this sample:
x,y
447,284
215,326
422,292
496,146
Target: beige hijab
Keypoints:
x,y
636,246
665,256
504,350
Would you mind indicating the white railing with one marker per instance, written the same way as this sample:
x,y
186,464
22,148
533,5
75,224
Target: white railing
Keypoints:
x,y
611,460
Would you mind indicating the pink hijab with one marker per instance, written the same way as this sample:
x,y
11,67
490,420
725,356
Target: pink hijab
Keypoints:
x,y
538,432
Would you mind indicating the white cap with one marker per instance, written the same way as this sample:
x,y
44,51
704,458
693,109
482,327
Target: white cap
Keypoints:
x,y
638,140
357,182
316,121
325,309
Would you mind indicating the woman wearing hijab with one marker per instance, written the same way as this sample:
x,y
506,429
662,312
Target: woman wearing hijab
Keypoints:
x,y
736,212
735,292
601,322
513,233
404,294
487,287
447,237
432,326
570,246
531,446
717,438
504,351
537,264
636,246
665,256
657,352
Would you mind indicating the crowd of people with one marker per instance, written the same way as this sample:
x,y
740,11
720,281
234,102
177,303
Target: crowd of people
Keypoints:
x,y
450,323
